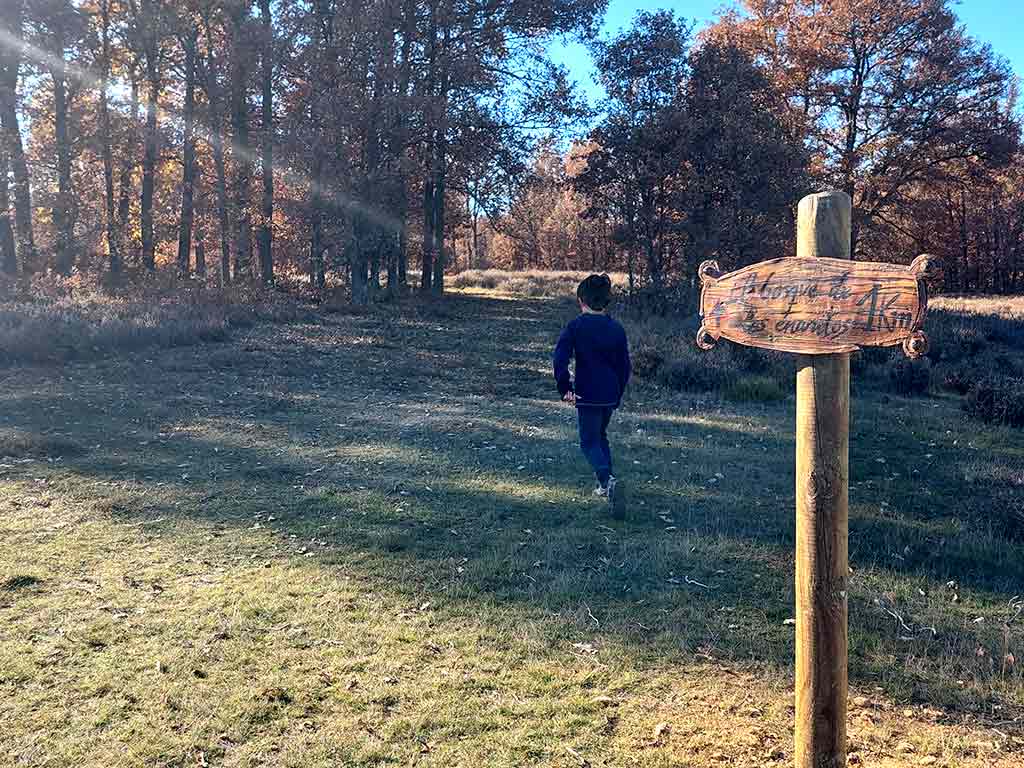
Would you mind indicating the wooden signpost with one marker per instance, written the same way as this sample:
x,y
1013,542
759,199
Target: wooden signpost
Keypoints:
x,y
821,306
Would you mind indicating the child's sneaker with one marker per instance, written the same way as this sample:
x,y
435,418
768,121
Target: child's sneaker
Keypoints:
x,y
601,491
616,498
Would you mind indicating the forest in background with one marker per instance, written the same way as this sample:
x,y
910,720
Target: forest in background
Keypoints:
x,y
384,143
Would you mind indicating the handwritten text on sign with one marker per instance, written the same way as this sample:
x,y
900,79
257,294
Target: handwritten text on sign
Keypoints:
x,y
816,306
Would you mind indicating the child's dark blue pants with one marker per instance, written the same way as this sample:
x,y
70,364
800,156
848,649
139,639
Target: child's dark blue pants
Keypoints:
x,y
594,439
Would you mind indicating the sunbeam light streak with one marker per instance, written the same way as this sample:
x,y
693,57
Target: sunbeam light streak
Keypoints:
x,y
90,79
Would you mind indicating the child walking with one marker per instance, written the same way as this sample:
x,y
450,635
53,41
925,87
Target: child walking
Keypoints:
x,y
599,345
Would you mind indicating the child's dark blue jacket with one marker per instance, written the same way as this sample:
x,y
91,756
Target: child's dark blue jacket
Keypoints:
x,y
602,360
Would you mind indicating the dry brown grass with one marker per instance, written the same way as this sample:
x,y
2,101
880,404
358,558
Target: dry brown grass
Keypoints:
x,y
1000,306
534,283
82,322
367,541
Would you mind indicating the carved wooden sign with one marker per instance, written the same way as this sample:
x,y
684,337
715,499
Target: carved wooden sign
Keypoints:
x,y
816,306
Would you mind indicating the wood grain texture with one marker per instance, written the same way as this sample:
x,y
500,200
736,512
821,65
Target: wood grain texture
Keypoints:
x,y
829,237
822,508
814,306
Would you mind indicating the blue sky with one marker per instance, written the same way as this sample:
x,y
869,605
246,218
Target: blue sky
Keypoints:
x,y
997,22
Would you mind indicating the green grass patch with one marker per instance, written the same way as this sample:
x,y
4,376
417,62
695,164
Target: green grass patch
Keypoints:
x,y
370,541
755,389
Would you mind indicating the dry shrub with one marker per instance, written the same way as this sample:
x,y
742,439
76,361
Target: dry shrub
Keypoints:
x,y
17,443
485,279
534,282
969,341
697,371
962,329
956,379
55,320
997,400
57,331
669,301
664,351
909,377
755,389
1003,364
866,363
646,359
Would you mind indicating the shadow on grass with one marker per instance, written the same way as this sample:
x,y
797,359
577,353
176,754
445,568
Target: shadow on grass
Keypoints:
x,y
450,492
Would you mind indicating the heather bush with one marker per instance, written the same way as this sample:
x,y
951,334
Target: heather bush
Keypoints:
x,y
865,363
957,336
61,320
668,302
997,400
755,389
971,339
752,359
999,320
534,283
956,379
909,377
696,371
646,359
1004,365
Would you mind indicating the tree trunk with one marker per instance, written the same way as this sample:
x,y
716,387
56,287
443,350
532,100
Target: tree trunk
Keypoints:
x,y
8,254
316,213
113,246
149,159
10,62
1014,267
653,264
475,220
216,131
964,244
377,155
427,274
323,79
200,225
375,254
454,263
316,224
439,191
223,219
25,236
241,151
404,77
62,220
392,242
188,174
316,249
357,259
403,254
440,171
429,208
266,233
201,248
127,168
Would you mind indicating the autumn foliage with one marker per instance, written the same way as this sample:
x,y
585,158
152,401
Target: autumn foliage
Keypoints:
x,y
707,143
385,144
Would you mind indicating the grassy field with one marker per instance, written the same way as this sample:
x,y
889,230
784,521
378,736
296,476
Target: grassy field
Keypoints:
x,y
534,283
367,539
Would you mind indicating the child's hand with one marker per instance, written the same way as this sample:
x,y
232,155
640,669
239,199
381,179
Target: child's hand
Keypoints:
x,y
569,397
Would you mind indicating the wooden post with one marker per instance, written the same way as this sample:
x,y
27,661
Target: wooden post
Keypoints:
x,y
822,486
821,306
